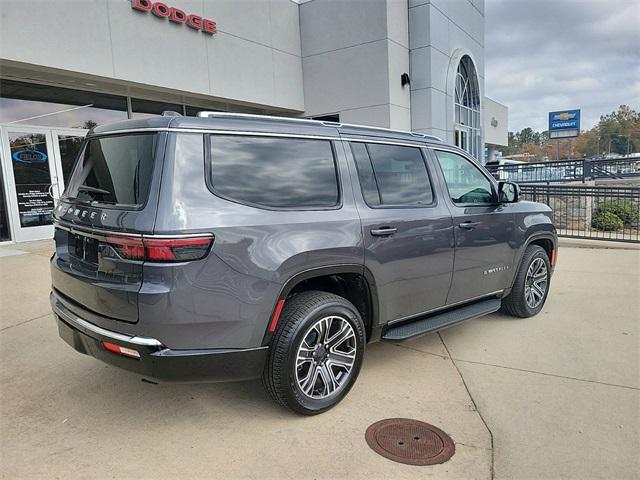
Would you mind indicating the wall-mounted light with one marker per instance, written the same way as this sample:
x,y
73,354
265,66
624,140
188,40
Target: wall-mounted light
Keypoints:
x,y
404,79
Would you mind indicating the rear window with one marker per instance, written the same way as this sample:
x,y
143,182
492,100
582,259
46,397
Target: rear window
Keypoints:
x,y
115,170
289,173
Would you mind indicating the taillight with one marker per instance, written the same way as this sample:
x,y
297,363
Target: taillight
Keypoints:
x,y
176,249
161,249
130,248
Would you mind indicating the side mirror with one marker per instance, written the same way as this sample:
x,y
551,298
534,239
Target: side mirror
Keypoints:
x,y
508,192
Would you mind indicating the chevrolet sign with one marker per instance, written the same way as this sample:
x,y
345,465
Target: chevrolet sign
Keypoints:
x,y
565,123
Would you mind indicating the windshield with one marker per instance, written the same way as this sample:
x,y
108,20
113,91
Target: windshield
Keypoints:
x,y
114,170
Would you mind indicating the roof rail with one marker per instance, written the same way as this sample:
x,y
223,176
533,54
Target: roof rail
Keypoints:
x,y
260,117
316,122
394,130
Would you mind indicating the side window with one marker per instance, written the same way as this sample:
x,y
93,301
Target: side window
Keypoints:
x,y
274,172
392,175
365,174
465,181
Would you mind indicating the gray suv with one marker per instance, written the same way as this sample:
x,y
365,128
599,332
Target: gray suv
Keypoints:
x,y
231,247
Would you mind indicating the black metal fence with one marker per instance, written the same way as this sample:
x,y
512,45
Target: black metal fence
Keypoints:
x,y
568,170
594,212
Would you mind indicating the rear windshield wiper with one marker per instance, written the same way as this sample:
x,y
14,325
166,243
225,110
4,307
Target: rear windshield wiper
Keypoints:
x,y
87,188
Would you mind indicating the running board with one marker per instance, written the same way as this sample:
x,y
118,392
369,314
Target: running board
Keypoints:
x,y
438,321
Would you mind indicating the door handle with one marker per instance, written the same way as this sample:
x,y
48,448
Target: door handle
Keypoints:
x,y
469,225
384,231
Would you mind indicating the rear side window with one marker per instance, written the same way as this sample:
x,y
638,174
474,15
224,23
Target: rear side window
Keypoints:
x,y
289,173
392,175
115,170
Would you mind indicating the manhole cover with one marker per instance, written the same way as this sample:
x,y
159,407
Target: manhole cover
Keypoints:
x,y
410,441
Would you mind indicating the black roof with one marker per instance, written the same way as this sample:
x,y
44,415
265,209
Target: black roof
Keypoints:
x,y
262,123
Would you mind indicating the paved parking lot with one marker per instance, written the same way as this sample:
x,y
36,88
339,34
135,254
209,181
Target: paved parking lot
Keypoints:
x,y
557,396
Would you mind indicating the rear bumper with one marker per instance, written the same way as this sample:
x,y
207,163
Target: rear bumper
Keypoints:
x,y
157,362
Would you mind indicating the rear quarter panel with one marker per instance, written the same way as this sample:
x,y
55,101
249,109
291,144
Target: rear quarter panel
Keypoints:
x,y
231,295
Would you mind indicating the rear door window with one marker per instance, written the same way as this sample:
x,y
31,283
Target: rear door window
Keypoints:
x,y
392,175
115,170
274,172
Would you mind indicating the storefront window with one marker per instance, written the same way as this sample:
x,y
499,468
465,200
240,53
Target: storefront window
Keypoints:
x,y
69,149
193,111
32,104
148,108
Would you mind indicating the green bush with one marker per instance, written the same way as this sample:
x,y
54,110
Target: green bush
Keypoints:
x,y
606,221
624,210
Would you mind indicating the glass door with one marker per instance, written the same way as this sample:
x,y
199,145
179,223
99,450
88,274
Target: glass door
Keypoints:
x,y
5,227
36,165
31,179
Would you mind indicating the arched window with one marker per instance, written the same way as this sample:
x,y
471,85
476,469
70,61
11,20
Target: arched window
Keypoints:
x,y
467,108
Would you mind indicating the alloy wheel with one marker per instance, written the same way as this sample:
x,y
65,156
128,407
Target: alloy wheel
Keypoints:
x,y
536,283
325,357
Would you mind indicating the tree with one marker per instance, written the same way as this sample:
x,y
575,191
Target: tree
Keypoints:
x,y
620,131
617,132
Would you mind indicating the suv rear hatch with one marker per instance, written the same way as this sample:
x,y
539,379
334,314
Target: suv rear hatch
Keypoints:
x,y
110,202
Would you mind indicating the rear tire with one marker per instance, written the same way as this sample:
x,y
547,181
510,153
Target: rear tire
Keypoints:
x,y
531,285
316,353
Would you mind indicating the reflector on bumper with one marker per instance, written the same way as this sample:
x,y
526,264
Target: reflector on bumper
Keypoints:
x,y
126,352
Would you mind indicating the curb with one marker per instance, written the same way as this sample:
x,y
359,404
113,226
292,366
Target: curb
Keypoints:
x,y
598,244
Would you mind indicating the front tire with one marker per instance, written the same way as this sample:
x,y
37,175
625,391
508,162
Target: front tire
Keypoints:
x,y
531,285
316,353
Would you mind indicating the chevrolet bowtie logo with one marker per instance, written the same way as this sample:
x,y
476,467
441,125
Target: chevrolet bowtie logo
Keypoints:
x,y
564,116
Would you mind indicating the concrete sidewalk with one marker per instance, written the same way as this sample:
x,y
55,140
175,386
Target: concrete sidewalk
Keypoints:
x,y
559,392
65,415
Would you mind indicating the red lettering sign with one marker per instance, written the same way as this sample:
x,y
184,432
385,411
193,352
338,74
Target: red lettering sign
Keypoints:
x,y
175,15
160,10
144,5
194,21
209,26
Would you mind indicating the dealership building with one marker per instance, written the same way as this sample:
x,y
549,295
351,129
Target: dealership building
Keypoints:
x,y
68,65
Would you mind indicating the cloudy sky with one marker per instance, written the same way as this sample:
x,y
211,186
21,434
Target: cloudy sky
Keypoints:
x,y
545,55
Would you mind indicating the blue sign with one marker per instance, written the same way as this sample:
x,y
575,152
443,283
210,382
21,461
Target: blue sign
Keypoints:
x,y
564,120
29,156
